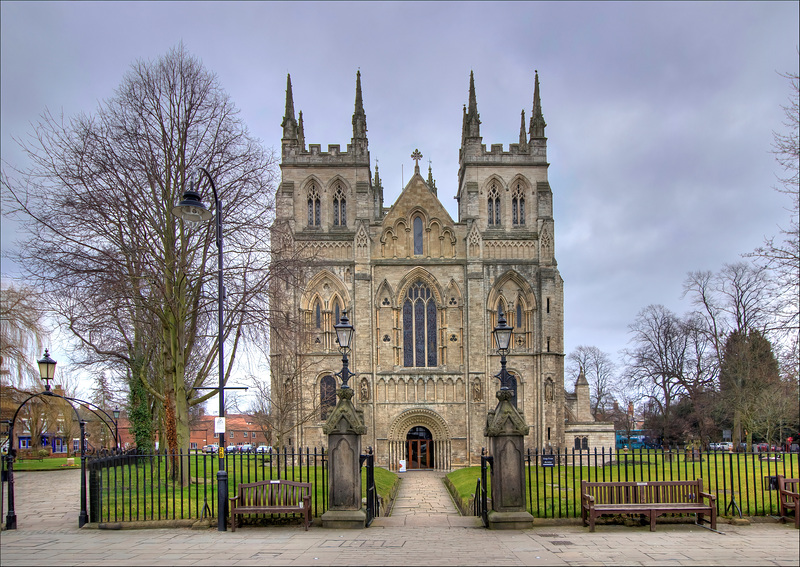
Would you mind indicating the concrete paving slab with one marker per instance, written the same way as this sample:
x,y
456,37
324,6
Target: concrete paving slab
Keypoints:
x,y
429,534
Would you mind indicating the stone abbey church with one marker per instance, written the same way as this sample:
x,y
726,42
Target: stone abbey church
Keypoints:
x,y
423,291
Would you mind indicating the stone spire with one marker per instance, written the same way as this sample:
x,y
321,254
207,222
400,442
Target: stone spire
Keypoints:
x,y
537,120
523,137
289,123
301,135
376,182
431,182
472,122
377,187
359,116
581,381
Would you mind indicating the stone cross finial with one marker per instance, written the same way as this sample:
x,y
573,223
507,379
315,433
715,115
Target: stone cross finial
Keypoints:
x,y
416,156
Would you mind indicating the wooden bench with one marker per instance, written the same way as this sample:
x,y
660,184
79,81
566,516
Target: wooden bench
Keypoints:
x,y
651,499
272,497
789,495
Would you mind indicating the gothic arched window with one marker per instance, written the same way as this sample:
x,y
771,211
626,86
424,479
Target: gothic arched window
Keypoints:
x,y
512,385
327,396
313,206
494,205
317,314
337,312
417,235
419,326
339,207
518,205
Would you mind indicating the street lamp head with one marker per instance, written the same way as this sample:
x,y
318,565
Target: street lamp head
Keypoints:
x,y
116,413
502,333
344,333
47,369
191,208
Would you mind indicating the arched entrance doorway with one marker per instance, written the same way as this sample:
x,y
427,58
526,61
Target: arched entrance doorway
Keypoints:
x,y
419,448
420,437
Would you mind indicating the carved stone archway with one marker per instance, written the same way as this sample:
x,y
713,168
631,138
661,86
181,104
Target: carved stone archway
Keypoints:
x,y
415,417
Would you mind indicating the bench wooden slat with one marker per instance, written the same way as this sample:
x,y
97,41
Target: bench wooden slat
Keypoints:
x,y
789,498
648,498
272,497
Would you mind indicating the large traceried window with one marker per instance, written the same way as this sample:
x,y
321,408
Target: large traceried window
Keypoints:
x,y
494,205
417,235
313,206
339,207
327,396
419,326
518,205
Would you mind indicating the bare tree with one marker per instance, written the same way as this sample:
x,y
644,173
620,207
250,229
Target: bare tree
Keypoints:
x,y
656,362
781,254
599,370
135,285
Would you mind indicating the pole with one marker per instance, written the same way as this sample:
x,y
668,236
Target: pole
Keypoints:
x,y
11,515
83,518
222,474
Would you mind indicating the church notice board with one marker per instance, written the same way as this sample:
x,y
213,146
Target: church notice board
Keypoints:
x,y
547,461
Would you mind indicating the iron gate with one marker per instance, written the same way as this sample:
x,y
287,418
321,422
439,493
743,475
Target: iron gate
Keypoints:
x,y
373,506
481,491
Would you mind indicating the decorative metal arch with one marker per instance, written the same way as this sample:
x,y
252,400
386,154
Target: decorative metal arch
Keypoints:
x,y
11,516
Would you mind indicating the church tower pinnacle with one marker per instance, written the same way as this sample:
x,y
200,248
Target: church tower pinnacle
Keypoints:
x,y
537,120
289,123
472,120
359,142
523,137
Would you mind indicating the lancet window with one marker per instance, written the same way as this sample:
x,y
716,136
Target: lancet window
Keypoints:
x,y
327,396
494,205
518,205
313,206
419,326
417,235
339,207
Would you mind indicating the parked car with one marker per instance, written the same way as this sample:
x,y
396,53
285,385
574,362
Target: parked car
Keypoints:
x,y
231,448
213,448
245,448
263,449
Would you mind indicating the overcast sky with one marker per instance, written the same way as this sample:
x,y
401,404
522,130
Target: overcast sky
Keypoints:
x,y
659,115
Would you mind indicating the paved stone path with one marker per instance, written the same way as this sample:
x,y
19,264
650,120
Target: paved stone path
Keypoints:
x,y
420,531
424,501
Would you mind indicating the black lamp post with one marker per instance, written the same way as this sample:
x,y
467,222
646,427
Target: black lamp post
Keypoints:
x,y
116,413
344,336
47,369
192,209
502,336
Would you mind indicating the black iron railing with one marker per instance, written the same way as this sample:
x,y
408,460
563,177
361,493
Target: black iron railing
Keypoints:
x,y
742,482
160,486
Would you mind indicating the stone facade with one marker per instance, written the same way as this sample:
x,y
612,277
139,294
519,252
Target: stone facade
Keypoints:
x,y
423,291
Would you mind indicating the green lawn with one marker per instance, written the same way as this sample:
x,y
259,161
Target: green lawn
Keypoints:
x,y
555,491
46,464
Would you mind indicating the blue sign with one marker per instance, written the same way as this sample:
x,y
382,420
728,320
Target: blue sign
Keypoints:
x,y
548,460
